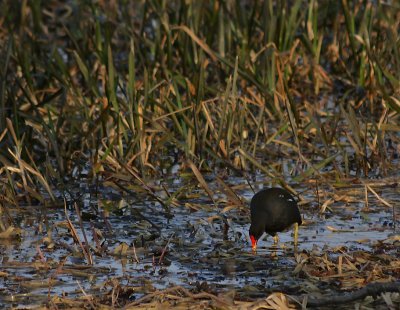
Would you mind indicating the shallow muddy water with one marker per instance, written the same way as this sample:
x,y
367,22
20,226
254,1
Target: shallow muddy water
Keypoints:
x,y
205,249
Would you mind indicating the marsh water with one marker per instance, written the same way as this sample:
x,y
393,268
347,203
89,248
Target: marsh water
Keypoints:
x,y
195,243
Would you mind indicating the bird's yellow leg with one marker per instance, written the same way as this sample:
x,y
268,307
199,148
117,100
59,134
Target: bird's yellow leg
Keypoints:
x,y
296,234
275,247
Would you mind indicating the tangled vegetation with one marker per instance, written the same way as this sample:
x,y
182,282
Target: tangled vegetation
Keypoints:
x,y
118,93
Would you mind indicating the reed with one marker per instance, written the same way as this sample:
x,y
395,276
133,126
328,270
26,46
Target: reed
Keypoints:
x,y
234,83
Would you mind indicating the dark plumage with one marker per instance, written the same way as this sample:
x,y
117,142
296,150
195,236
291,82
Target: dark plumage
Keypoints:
x,y
272,210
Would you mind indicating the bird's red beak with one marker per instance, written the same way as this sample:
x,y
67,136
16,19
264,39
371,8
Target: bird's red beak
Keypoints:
x,y
253,242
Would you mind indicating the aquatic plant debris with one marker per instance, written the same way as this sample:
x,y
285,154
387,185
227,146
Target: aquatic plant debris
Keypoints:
x,y
133,135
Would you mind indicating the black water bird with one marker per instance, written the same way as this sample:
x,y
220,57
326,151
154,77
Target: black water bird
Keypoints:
x,y
273,210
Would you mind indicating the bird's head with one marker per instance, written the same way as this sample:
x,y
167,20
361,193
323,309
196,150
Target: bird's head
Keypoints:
x,y
255,233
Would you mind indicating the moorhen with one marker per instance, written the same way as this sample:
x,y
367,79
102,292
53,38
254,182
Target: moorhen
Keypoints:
x,y
273,210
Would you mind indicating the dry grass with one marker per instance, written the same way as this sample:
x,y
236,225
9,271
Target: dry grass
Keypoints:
x,y
118,92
